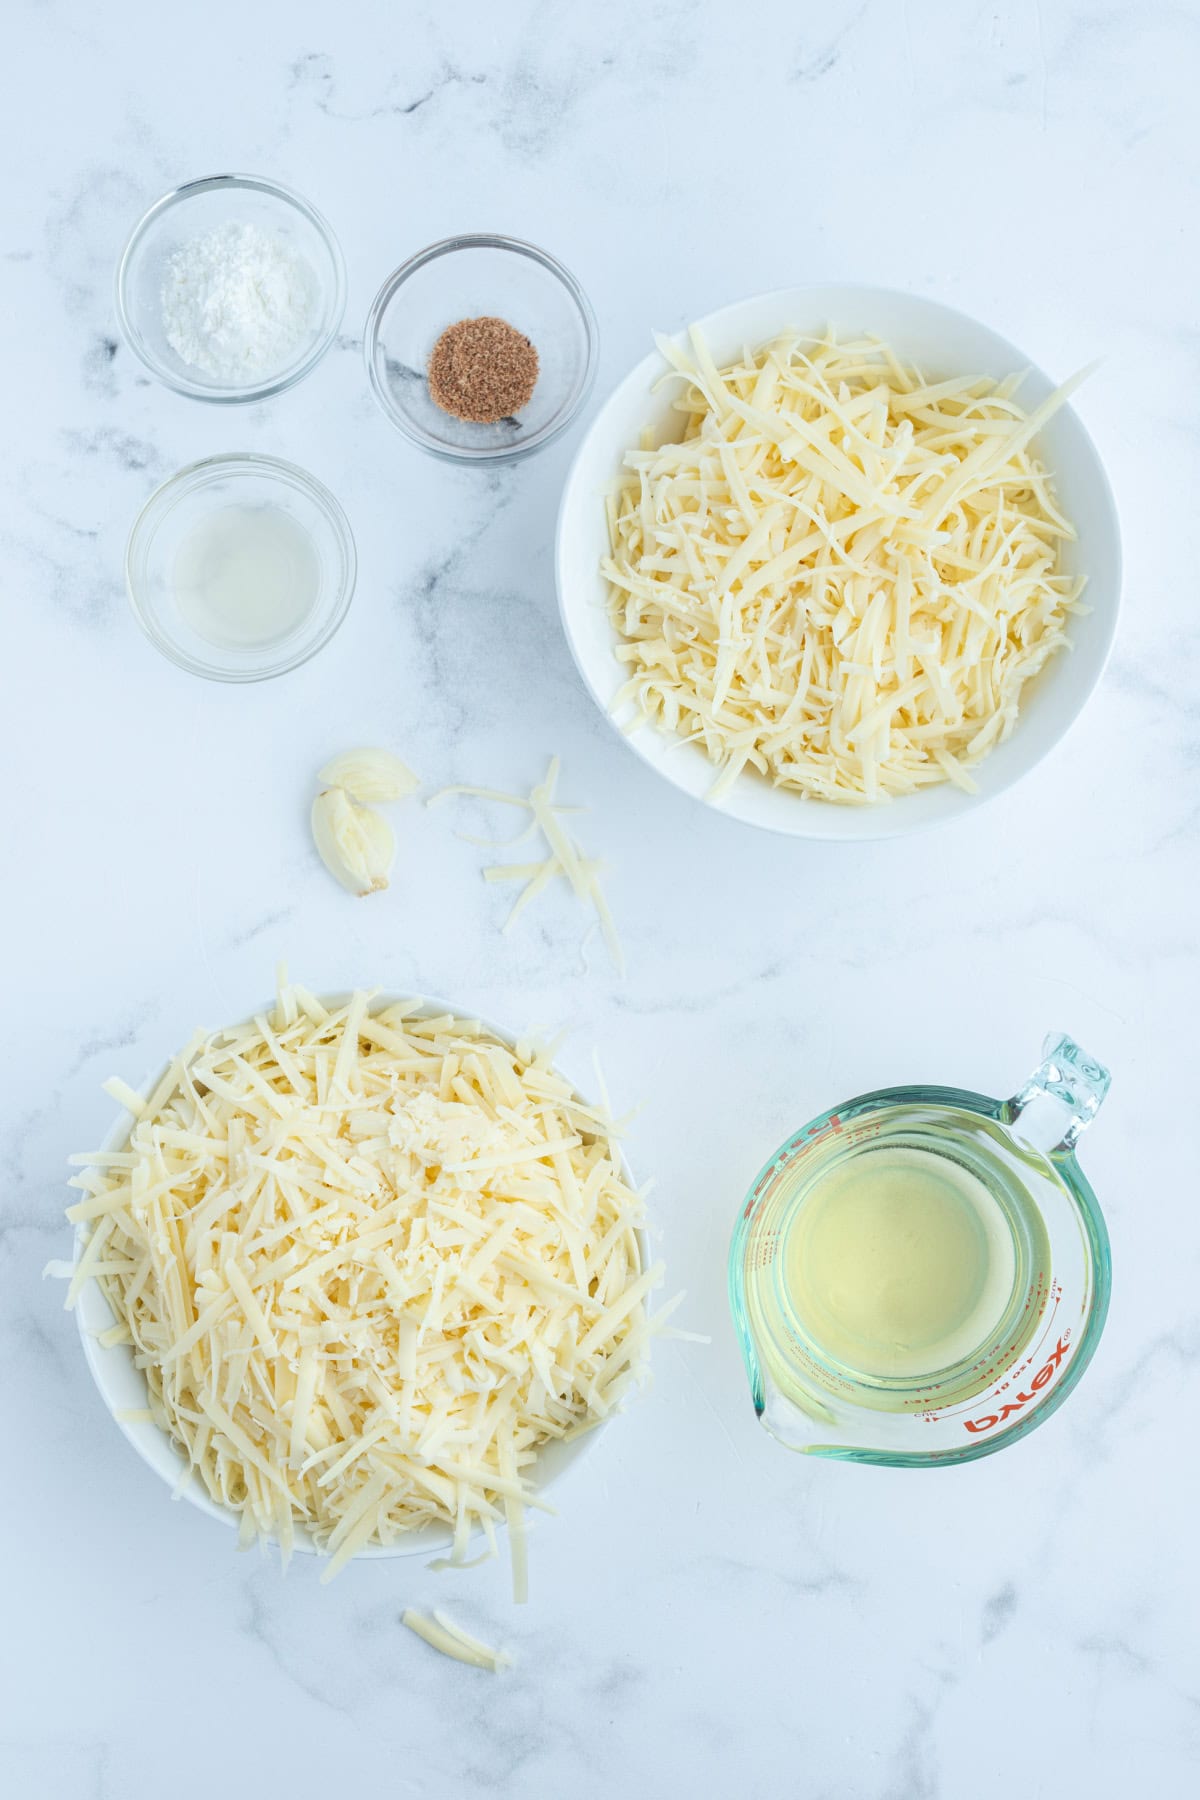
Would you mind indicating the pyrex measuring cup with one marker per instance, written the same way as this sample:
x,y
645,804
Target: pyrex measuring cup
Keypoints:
x,y
1023,1151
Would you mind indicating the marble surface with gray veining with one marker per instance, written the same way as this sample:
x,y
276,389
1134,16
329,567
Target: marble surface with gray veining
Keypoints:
x,y
709,1615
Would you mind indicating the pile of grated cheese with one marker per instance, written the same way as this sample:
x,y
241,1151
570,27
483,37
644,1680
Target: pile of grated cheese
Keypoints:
x,y
370,1261
842,576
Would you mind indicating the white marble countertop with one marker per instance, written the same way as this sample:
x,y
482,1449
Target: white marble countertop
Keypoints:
x,y
709,1614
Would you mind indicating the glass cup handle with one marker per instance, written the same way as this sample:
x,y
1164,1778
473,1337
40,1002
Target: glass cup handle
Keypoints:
x,y
1061,1097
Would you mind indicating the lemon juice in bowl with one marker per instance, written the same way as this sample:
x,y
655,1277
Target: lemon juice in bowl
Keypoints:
x,y
922,1274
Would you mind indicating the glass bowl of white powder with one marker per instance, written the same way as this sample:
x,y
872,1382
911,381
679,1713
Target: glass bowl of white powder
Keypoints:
x,y
231,288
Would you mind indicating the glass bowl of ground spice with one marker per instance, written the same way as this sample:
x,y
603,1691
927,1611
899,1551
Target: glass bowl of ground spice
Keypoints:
x,y
481,348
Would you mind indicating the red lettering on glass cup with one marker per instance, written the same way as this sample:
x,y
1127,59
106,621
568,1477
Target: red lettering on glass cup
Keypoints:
x,y
1042,1379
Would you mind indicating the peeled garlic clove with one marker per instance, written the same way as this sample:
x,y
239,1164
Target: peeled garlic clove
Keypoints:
x,y
370,775
381,844
355,844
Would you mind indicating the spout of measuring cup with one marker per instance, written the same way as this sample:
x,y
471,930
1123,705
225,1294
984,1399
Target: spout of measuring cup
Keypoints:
x,y
801,1422
1060,1099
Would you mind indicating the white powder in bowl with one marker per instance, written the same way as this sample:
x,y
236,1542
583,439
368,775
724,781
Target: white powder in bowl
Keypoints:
x,y
238,303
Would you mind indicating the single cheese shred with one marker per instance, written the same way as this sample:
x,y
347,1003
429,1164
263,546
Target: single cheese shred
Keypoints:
x,y
841,576
370,1261
443,1635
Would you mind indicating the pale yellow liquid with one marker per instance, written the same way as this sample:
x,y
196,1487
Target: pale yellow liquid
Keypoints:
x,y
246,576
899,1263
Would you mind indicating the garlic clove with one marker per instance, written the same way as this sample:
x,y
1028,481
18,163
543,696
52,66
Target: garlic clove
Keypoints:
x,y
370,775
356,844
381,845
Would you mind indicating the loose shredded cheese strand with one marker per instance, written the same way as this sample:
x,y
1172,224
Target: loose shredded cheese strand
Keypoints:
x,y
369,1262
565,856
841,576
441,1634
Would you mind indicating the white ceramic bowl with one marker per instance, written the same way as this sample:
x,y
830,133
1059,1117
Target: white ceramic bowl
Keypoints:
x,y
122,1386
944,343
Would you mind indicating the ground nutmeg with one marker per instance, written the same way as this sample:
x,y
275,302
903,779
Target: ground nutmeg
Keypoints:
x,y
482,370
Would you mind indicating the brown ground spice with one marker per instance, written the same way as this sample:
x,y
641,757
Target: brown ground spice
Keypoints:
x,y
482,370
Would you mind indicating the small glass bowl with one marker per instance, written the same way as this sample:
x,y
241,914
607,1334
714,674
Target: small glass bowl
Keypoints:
x,y
471,277
199,207
173,511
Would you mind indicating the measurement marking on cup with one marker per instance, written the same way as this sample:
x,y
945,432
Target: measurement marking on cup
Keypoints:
x,y
1044,1376
937,1415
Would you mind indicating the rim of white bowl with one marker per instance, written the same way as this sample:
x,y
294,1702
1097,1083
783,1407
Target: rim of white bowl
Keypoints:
x,y
812,819
150,1441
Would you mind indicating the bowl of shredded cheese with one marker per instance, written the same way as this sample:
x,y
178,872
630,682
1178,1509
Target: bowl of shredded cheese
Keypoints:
x,y
360,1276
839,561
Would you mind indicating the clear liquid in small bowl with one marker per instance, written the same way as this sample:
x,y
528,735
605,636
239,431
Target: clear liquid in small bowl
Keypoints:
x,y
246,576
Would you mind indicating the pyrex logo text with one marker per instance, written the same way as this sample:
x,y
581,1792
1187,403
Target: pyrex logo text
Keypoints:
x,y
1043,1377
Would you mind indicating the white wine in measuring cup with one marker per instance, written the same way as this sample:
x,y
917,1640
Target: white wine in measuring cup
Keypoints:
x,y
922,1273
903,1266
901,1262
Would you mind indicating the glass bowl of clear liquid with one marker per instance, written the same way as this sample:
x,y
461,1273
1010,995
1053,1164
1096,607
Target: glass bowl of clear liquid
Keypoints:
x,y
922,1274
240,567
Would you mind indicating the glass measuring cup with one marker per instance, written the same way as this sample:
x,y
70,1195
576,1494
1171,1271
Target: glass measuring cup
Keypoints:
x,y
1022,1150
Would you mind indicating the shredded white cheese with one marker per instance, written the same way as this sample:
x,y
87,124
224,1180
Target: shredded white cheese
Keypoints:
x,y
564,858
442,1634
843,575
370,1261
